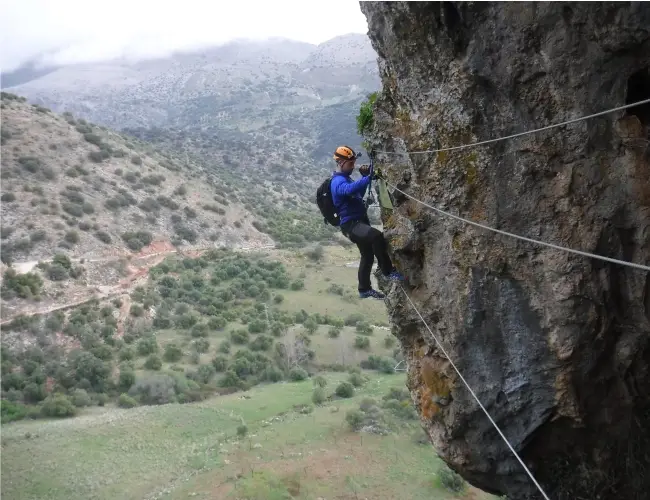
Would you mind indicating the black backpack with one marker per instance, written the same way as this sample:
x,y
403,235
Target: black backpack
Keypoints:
x,y
325,204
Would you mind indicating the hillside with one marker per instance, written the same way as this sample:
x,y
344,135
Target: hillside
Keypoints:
x,y
84,189
100,198
241,86
265,116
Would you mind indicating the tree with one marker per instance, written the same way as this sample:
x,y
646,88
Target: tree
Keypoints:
x,y
127,379
361,342
345,390
153,363
173,353
297,374
311,326
58,406
364,328
333,332
318,396
80,398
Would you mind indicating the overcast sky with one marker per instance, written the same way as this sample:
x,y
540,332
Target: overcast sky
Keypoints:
x,y
83,30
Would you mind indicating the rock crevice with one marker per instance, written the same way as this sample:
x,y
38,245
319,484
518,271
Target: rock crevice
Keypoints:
x,y
555,345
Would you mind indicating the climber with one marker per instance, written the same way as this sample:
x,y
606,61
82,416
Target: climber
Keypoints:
x,y
347,196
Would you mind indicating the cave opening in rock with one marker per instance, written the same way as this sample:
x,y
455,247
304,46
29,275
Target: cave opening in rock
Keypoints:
x,y
638,89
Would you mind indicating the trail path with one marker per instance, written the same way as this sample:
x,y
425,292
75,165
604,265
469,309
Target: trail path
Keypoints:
x,y
152,255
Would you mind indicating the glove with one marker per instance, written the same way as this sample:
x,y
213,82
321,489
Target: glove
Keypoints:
x,y
364,170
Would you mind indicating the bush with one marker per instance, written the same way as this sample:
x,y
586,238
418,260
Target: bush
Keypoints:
x,y
126,401
25,286
136,160
147,346
345,390
334,332
93,139
297,285
220,363
127,379
8,197
153,363
356,379
173,353
318,396
185,232
450,480
311,326
80,398
136,310
320,381
365,118
361,342
261,343
201,345
137,240
224,347
353,319
355,419
316,254
239,336
389,341
103,236
364,328
155,389
11,411
242,430
58,406
72,237
56,272
297,374
379,363
30,163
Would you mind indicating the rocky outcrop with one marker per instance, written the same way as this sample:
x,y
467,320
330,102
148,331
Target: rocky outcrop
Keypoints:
x,y
555,345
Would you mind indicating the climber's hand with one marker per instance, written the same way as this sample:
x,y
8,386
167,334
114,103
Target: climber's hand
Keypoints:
x,y
377,174
364,170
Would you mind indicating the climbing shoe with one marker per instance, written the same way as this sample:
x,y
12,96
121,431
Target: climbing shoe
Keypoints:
x,y
394,276
371,294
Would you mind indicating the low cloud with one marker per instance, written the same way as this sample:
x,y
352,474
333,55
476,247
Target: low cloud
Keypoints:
x,y
71,31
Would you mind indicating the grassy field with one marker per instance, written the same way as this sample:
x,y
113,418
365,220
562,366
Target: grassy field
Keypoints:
x,y
318,277
292,449
192,450
314,298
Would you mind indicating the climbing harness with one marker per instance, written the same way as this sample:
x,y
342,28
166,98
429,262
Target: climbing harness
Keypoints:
x,y
433,336
527,132
524,238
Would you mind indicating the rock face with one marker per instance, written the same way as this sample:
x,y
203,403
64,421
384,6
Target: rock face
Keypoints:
x,y
555,345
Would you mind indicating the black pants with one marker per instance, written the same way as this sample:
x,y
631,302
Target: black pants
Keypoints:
x,y
371,244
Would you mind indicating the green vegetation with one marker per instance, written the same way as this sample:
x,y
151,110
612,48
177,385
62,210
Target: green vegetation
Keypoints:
x,y
218,327
365,118
263,446
24,286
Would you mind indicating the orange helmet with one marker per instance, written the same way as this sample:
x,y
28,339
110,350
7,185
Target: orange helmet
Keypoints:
x,y
343,153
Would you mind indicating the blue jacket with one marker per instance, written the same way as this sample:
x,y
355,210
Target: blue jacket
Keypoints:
x,y
347,196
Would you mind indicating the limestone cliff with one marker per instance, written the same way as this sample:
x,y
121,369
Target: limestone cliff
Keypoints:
x,y
556,346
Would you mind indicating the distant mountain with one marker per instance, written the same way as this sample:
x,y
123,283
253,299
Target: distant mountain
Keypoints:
x,y
70,186
23,74
263,116
242,85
